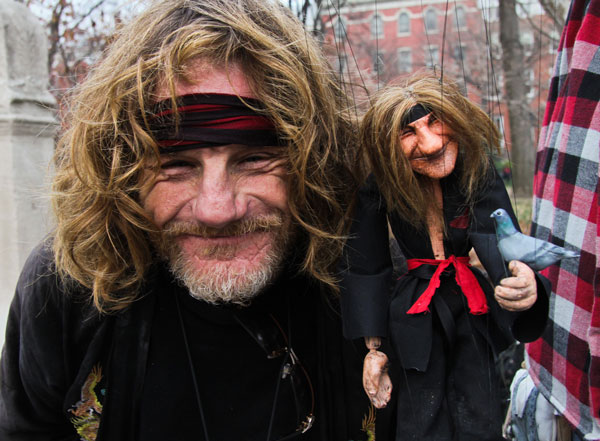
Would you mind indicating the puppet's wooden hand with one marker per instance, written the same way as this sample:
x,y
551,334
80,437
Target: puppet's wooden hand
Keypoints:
x,y
376,379
519,292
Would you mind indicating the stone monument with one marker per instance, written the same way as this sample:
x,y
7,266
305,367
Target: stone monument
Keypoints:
x,y
27,130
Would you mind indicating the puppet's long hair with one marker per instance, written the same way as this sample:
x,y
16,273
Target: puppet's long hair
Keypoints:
x,y
403,190
104,155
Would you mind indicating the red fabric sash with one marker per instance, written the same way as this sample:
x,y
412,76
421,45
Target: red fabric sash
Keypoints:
x,y
464,278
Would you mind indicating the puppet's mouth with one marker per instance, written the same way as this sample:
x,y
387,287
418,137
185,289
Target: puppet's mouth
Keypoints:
x,y
432,157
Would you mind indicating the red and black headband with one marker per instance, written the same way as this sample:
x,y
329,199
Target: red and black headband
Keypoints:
x,y
211,120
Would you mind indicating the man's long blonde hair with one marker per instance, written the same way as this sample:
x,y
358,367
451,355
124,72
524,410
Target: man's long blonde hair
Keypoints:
x,y
404,190
102,238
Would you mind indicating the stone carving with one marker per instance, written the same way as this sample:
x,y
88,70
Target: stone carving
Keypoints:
x,y
27,129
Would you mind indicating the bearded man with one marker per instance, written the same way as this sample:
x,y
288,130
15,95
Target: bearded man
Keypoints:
x,y
198,219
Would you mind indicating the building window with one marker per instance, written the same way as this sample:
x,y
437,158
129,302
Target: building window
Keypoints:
x,y
461,20
460,52
432,56
431,20
377,26
528,41
499,122
404,60
378,63
490,13
404,23
530,83
339,29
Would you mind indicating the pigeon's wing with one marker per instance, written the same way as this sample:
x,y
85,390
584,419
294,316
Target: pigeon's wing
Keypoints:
x,y
517,246
536,253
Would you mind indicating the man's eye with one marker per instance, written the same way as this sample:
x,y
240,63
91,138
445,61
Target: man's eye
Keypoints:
x,y
255,158
259,161
176,166
175,163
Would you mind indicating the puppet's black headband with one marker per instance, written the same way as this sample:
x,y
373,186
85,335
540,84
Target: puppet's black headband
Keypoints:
x,y
211,120
416,112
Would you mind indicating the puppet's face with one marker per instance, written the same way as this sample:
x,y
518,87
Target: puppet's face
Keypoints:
x,y
429,146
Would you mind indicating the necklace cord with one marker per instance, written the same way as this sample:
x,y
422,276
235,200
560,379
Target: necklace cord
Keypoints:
x,y
289,355
274,407
192,368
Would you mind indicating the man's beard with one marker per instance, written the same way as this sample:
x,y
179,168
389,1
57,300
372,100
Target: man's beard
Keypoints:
x,y
216,282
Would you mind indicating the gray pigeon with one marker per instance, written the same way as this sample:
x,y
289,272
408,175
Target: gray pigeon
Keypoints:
x,y
536,253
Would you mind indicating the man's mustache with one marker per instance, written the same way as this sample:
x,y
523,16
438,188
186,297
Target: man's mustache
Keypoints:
x,y
236,228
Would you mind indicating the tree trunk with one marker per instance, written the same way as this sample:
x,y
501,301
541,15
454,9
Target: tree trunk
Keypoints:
x,y
522,150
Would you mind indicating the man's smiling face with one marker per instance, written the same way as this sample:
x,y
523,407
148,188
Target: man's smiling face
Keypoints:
x,y
223,210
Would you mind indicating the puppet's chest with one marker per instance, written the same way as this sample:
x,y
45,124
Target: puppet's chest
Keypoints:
x,y
415,242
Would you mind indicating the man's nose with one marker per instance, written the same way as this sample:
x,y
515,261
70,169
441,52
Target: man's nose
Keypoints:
x,y
216,203
429,142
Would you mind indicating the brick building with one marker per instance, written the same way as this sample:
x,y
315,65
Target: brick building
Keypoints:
x,y
371,43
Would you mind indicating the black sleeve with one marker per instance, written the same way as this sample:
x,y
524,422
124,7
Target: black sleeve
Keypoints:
x,y
366,268
32,369
483,230
529,325
526,325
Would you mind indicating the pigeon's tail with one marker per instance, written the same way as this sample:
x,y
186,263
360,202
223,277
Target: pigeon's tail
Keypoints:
x,y
570,254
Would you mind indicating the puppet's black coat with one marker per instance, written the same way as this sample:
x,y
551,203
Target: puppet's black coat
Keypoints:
x,y
55,338
371,308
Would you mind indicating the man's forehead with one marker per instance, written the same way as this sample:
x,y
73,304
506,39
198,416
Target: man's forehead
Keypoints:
x,y
206,78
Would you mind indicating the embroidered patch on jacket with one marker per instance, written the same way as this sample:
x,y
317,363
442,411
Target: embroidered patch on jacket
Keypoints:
x,y
461,221
88,410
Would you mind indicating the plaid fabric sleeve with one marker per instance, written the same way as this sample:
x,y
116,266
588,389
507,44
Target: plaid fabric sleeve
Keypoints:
x,y
565,362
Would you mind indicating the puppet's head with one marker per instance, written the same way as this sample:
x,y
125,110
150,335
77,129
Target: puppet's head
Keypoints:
x,y
424,129
428,143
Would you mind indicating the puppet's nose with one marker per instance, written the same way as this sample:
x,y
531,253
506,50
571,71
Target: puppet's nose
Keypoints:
x,y
429,143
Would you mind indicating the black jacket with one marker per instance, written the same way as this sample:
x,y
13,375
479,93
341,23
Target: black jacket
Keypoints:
x,y
368,305
55,339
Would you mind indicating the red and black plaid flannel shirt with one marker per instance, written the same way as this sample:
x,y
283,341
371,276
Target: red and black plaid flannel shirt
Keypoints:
x,y
565,362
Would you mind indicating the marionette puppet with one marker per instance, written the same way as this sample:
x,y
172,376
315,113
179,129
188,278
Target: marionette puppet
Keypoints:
x,y
442,323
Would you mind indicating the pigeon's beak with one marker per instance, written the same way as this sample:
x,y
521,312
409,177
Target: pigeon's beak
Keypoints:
x,y
492,215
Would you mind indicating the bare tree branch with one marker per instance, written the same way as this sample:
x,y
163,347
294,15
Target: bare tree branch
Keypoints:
x,y
555,11
88,13
53,29
535,26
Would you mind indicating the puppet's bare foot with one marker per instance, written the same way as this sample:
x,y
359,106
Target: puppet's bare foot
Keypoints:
x,y
376,379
